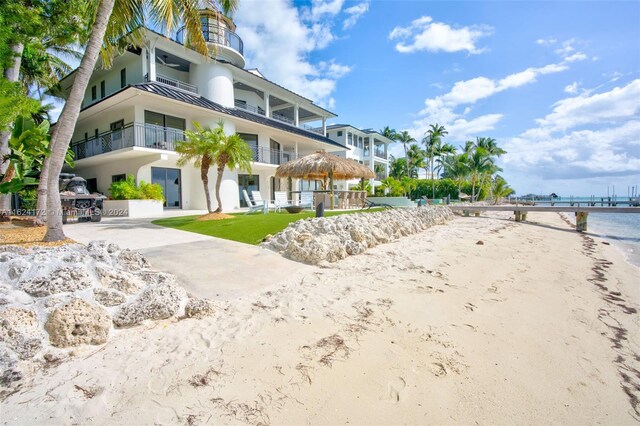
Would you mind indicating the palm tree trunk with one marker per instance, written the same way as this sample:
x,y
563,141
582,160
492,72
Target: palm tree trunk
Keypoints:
x,y
221,167
11,74
433,182
204,175
41,204
406,160
66,123
473,188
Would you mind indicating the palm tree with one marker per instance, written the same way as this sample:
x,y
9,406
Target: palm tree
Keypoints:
x,y
443,153
457,167
389,133
114,19
490,145
397,167
433,142
405,139
415,159
500,189
233,152
200,147
480,164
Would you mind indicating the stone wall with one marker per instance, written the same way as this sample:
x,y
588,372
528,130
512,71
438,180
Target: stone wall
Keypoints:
x,y
333,238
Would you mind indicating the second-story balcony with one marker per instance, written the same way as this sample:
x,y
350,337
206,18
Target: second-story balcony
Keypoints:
x,y
380,153
157,137
278,117
173,82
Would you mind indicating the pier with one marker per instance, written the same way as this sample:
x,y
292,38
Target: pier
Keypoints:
x,y
520,211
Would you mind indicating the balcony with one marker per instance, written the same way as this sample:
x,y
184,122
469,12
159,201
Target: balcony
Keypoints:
x,y
133,134
380,153
169,81
266,155
218,35
276,116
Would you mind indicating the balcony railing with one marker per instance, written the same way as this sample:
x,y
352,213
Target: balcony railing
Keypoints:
x,y
282,118
133,134
311,129
169,81
250,108
266,155
214,33
380,153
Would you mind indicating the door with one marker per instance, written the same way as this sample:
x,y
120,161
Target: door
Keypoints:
x,y
116,136
275,186
170,181
248,183
275,151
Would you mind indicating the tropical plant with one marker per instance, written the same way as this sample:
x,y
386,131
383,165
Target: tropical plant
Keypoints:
x,y
397,167
500,189
415,159
127,189
115,23
392,186
363,185
389,133
405,139
408,184
433,144
480,164
457,168
233,152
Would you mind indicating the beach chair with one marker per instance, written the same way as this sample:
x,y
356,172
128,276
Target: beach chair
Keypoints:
x,y
306,199
281,200
257,198
253,206
368,204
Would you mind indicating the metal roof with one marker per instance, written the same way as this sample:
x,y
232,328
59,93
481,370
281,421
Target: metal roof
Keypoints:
x,y
197,100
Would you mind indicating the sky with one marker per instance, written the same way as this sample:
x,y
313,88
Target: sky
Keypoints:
x,y
557,84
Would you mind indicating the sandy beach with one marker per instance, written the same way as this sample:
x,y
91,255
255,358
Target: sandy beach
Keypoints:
x,y
482,320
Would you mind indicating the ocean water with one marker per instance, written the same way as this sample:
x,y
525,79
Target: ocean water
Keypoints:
x,y
622,230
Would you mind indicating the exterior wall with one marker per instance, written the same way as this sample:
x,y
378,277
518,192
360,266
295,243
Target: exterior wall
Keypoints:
x,y
214,81
102,122
251,98
129,61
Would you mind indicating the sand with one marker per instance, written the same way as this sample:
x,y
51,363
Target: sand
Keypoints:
x,y
483,320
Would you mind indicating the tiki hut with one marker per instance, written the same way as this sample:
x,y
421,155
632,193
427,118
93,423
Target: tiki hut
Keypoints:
x,y
322,165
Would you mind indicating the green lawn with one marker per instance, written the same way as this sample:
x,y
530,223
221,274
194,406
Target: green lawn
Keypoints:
x,y
249,229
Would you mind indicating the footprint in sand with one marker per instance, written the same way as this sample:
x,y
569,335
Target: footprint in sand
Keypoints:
x,y
438,369
470,307
394,389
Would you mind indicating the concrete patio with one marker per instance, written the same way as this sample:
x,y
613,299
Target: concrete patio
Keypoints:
x,y
206,266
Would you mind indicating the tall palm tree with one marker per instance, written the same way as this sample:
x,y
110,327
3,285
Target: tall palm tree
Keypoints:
x,y
457,167
500,189
200,148
114,19
433,142
480,164
233,152
405,139
389,133
443,153
397,167
415,159
490,145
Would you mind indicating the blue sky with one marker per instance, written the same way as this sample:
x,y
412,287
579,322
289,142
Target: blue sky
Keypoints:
x,y
557,84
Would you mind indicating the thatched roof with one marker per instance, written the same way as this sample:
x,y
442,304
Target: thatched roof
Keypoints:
x,y
320,164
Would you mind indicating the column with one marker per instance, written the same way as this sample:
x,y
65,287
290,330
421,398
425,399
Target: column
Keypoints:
x,y
145,62
296,109
152,62
324,126
267,109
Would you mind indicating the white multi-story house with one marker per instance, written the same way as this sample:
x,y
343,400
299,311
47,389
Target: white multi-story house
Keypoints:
x,y
134,112
365,146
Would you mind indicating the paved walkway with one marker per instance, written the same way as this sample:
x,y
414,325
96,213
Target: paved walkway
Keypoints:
x,y
206,266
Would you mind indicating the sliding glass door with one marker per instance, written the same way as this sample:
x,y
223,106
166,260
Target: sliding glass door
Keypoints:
x,y
169,180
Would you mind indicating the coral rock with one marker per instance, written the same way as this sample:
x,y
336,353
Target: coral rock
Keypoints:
x,y
78,322
108,297
61,280
155,302
199,308
19,331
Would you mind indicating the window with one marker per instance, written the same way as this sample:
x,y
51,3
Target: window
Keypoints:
x,y
102,89
340,133
161,131
95,134
349,138
94,94
86,136
163,120
252,141
118,178
123,77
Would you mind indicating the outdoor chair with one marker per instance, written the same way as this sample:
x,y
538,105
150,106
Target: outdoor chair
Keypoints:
x,y
306,199
351,202
342,199
368,204
257,198
281,200
253,206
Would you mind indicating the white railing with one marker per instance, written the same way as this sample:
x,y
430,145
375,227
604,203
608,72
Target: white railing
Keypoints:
x,y
169,81
311,129
282,118
249,108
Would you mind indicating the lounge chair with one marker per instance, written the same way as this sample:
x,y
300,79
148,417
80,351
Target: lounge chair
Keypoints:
x,y
281,200
368,204
253,206
257,198
306,199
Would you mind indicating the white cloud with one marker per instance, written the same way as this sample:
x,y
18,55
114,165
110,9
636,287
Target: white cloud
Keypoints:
x,y
425,34
605,107
586,136
260,26
572,88
546,41
355,12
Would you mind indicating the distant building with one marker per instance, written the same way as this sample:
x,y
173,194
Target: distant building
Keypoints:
x,y
365,146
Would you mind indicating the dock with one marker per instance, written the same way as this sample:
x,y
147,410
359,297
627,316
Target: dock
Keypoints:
x,y
520,211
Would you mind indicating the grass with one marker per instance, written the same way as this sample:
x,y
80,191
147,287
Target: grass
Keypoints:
x,y
249,228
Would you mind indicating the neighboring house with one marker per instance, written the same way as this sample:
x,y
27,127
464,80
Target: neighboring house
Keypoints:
x,y
365,146
134,112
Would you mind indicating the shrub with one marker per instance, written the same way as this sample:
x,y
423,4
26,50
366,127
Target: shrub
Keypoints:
x,y
128,190
28,199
